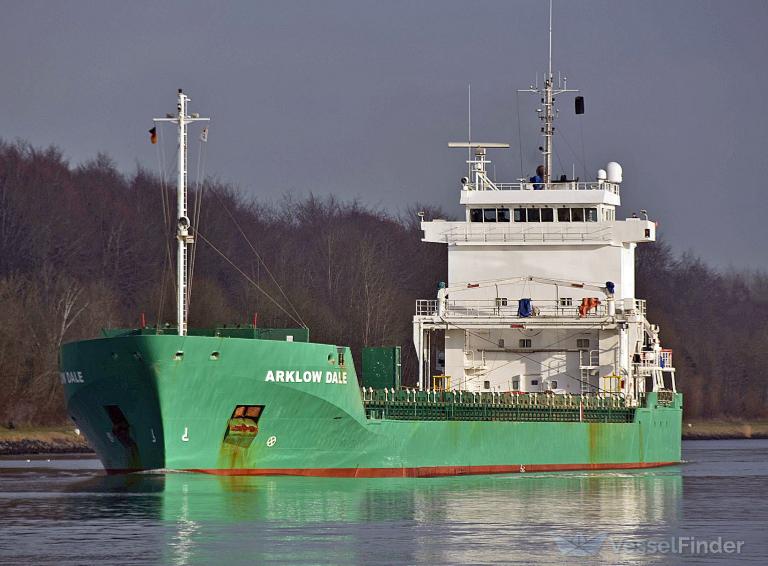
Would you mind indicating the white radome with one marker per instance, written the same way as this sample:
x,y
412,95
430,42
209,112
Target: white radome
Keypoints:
x,y
614,172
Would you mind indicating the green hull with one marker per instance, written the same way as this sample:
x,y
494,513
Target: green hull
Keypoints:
x,y
176,396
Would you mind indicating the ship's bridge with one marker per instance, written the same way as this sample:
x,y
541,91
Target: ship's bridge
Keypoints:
x,y
538,211
535,203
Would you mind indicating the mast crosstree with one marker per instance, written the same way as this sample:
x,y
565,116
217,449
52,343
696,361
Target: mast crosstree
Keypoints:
x,y
183,224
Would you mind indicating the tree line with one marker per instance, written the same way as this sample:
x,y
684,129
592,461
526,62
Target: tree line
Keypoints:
x,y
86,247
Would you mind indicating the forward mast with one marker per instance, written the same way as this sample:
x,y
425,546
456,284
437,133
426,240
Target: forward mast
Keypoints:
x,y
184,238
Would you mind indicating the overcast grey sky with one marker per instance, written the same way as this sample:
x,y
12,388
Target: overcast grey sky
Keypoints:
x,y
360,98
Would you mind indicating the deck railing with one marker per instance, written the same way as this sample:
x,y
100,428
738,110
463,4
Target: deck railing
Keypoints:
x,y
522,232
666,358
648,361
557,186
504,308
408,404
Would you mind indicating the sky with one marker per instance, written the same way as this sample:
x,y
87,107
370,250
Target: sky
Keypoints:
x,y
360,98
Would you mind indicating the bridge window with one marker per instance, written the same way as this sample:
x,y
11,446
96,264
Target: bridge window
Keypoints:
x,y
491,215
525,343
566,301
553,384
486,384
591,214
563,214
582,343
577,215
516,385
533,215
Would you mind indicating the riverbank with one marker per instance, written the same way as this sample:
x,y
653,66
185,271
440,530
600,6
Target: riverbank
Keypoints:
x,y
724,429
42,440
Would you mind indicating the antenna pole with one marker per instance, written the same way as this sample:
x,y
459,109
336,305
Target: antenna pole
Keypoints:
x,y
549,115
547,112
183,224
469,129
549,68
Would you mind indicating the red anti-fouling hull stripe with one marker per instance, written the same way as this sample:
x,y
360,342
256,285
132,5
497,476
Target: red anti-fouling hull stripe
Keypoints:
x,y
420,472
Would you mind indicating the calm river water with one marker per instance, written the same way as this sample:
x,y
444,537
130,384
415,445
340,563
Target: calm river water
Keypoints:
x,y
711,510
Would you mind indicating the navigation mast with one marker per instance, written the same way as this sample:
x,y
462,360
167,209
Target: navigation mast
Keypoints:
x,y
547,112
183,224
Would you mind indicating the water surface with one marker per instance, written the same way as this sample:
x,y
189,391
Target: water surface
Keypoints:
x,y
64,510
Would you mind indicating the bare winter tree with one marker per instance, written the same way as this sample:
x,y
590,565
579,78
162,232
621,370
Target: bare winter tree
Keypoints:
x,y
86,248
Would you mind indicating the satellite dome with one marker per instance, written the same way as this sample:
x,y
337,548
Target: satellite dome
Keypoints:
x,y
614,172
601,174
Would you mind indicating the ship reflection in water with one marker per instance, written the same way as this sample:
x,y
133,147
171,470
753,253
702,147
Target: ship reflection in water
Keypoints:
x,y
436,521
67,511
200,519
180,518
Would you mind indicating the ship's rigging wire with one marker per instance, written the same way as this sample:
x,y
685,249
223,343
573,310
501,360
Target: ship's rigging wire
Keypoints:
x,y
519,134
261,259
560,161
199,189
164,195
583,151
580,160
196,214
249,279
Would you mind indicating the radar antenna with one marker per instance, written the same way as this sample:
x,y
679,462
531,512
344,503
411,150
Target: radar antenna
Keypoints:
x,y
478,179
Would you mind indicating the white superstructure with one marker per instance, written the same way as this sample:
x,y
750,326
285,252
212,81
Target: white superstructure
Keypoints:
x,y
541,286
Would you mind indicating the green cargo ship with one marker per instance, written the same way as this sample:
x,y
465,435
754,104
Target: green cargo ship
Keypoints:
x,y
535,355
227,405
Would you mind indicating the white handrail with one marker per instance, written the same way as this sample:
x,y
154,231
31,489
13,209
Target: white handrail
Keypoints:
x,y
553,186
485,308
